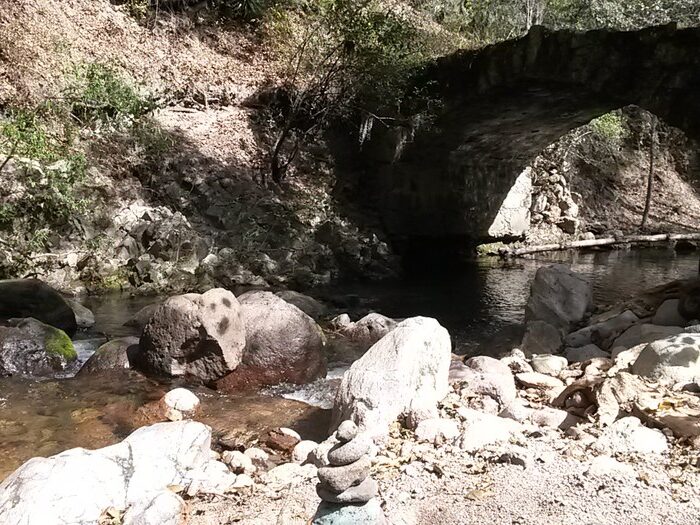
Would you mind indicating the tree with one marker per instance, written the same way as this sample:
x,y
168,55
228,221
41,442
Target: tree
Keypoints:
x,y
650,178
342,58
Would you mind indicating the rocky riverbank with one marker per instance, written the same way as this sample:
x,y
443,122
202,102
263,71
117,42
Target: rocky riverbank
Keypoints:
x,y
531,437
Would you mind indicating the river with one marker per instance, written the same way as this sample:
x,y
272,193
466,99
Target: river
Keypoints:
x,y
482,306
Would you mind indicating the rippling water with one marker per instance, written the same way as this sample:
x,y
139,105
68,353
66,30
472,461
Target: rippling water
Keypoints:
x,y
482,308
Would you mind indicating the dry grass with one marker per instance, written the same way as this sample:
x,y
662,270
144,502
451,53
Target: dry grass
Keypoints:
x,y
41,40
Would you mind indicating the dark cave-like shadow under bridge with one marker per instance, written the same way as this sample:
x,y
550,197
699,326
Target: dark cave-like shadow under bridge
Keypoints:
x,y
449,171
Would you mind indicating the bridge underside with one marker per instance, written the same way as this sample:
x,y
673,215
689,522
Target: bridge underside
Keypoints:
x,y
452,177
448,172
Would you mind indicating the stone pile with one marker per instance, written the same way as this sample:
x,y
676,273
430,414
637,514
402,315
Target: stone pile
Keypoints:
x,y
345,486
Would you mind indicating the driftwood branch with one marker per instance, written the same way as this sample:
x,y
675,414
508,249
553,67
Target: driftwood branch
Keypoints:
x,y
661,237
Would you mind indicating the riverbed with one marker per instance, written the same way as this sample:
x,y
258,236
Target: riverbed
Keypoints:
x,y
482,306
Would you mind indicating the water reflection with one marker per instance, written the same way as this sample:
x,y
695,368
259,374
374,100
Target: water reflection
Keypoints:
x,y
483,305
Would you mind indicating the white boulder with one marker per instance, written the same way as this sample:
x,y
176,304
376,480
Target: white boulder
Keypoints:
x,y
672,360
75,486
407,370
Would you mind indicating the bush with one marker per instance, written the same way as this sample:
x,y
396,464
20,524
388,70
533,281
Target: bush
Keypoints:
x,y
97,93
610,127
341,59
45,171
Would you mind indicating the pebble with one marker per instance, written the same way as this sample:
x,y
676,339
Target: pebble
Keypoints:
x,y
346,431
303,450
291,433
437,431
537,380
180,404
549,364
238,462
290,474
319,456
258,456
243,481
553,418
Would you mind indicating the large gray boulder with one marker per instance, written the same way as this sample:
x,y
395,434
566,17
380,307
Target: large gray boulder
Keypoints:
x,y
34,298
668,314
560,297
403,373
77,485
672,360
541,338
201,335
84,317
112,355
31,348
283,345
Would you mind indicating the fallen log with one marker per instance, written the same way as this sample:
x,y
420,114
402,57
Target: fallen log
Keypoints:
x,y
505,251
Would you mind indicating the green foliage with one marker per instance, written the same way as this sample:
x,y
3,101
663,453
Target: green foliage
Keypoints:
x,y
215,10
58,343
483,22
341,55
610,127
340,58
139,9
97,93
47,169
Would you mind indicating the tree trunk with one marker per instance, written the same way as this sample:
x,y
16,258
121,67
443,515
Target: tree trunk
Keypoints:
x,y
609,241
650,180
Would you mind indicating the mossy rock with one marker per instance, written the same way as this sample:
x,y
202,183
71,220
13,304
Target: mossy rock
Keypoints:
x,y
57,342
31,348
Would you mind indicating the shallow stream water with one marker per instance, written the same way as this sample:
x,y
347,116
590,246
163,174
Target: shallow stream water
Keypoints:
x,y
482,307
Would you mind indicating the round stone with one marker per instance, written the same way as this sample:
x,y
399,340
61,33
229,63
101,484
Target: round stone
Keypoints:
x,y
346,431
338,479
180,404
361,493
346,453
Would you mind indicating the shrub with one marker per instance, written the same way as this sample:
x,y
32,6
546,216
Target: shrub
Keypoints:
x,y
46,170
97,93
610,127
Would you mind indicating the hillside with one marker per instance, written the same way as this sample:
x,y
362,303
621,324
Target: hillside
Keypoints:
x,y
153,138
190,175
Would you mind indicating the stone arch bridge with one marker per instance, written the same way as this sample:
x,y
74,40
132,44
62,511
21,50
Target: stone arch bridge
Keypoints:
x,y
448,173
